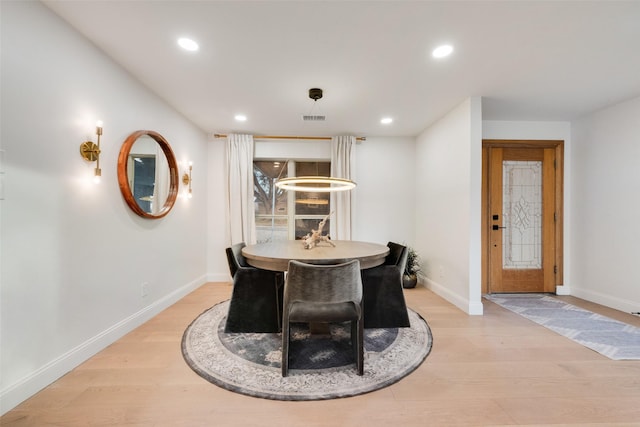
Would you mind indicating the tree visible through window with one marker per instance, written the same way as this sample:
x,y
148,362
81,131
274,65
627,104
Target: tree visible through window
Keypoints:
x,y
283,215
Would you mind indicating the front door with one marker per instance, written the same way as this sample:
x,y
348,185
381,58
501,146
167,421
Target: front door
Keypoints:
x,y
522,213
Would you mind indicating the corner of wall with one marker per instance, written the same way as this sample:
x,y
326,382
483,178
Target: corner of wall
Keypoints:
x,y
464,304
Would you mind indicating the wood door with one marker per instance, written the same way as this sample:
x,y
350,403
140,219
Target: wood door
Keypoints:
x,y
521,219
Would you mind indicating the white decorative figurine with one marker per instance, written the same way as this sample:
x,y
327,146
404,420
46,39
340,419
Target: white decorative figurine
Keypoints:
x,y
312,239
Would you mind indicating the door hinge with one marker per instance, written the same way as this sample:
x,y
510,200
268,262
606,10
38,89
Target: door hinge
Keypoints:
x,y
555,269
555,216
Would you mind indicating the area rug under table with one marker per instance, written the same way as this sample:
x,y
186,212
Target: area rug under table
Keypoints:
x,y
611,338
320,367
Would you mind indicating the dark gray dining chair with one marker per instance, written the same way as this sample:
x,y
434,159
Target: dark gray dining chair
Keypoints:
x,y
323,294
256,298
384,303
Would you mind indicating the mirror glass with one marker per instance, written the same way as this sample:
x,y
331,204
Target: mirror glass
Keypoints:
x,y
148,174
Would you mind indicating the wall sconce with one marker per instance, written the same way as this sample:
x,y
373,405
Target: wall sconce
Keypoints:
x,y
186,180
91,152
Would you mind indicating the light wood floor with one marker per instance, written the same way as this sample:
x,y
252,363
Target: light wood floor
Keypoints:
x,y
496,369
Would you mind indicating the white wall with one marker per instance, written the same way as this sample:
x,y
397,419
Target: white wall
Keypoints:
x,y
73,255
385,196
606,205
497,129
448,189
534,130
218,233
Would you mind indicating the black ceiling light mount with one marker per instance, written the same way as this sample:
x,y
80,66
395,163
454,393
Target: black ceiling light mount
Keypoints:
x,y
315,93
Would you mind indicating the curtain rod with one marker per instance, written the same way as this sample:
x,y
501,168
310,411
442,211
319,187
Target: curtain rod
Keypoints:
x,y
359,138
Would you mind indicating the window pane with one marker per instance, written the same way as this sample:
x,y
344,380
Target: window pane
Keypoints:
x,y
313,168
268,198
312,203
271,228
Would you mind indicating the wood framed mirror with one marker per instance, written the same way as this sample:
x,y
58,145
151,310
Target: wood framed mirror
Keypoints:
x,y
148,174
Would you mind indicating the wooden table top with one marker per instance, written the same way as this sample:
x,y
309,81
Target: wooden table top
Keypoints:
x,y
275,256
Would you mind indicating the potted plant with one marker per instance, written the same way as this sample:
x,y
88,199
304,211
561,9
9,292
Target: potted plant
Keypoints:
x,y
410,276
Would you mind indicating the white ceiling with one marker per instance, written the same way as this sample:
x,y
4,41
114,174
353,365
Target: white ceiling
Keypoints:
x,y
539,60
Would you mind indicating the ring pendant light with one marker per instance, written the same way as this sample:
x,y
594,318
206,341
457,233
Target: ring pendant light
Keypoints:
x,y
310,184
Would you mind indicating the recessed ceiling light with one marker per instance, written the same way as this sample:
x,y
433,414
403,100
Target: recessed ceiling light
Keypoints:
x,y
386,120
188,44
442,51
240,118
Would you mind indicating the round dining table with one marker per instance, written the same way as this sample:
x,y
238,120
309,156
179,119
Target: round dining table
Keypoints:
x,y
275,256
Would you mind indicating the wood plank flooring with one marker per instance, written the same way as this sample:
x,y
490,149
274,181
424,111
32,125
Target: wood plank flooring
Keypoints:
x,y
496,369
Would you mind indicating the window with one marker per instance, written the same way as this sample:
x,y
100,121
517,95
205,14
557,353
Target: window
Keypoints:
x,y
287,215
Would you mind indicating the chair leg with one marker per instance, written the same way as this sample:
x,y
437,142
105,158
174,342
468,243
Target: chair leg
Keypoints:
x,y
357,344
279,286
285,347
360,339
354,340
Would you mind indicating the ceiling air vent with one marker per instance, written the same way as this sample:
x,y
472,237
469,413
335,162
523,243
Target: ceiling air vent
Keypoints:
x,y
315,94
309,118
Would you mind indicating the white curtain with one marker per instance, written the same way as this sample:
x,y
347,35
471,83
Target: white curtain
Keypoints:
x,y
342,166
240,205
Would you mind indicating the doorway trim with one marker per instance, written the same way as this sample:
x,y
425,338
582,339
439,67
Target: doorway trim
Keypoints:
x,y
558,145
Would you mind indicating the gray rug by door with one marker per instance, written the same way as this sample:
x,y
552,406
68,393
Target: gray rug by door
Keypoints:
x,y
611,338
321,366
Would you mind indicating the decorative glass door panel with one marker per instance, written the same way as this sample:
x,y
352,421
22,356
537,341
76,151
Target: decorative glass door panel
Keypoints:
x,y
522,214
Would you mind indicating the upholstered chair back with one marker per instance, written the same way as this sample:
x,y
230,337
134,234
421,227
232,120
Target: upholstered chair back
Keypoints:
x,y
324,283
235,258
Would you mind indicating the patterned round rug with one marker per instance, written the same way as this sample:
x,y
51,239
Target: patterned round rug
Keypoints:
x,y
321,366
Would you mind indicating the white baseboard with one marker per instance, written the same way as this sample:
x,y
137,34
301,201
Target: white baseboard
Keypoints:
x,y
218,278
14,394
476,309
462,303
624,305
563,290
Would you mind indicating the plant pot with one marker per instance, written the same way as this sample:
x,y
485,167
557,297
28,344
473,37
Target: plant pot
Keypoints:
x,y
409,281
